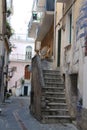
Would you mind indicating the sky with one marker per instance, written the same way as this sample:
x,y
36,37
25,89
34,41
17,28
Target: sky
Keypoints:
x,y
22,11
21,15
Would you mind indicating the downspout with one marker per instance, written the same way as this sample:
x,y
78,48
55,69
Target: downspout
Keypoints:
x,y
54,41
5,42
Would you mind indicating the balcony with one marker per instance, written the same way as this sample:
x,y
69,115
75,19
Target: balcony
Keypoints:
x,y
50,4
44,5
19,57
42,18
46,20
39,5
33,24
44,27
62,1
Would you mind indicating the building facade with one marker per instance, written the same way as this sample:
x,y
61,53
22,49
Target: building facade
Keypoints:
x,y
4,48
65,43
41,26
70,53
20,61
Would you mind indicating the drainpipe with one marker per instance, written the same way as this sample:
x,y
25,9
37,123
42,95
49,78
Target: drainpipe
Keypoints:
x,y
54,41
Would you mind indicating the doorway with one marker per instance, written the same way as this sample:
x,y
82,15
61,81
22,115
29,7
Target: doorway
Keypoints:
x,y
25,90
74,81
74,91
59,47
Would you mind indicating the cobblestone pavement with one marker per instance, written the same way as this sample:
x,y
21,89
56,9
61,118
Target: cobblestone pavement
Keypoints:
x,y
16,116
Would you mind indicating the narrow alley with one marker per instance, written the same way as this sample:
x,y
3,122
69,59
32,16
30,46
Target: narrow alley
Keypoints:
x,y
43,65
15,115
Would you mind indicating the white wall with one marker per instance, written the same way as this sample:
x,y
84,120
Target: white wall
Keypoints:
x,y
20,90
20,47
85,83
18,74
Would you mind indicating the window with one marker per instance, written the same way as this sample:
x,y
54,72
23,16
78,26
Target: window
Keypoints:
x,y
28,52
34,16
68,29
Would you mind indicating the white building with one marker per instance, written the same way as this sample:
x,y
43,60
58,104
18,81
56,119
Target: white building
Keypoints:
x,y
20,60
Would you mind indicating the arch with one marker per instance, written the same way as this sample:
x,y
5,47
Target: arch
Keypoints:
x,y
27,73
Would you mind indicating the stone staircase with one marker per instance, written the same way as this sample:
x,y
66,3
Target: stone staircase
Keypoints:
x,y
54,107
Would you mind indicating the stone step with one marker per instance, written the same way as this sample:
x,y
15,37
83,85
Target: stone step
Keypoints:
x,y
54,108
54,89
51,75
58,110
48,80
54,83
54,93
46,74
55,105
55,99
56,119
55,112
51,72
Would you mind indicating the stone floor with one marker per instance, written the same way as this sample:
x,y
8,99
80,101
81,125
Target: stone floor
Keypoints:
x,y
15,115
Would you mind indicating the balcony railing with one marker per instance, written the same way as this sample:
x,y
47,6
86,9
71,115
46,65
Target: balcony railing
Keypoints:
x,y
34,22
61,1
48,6
19,57
43,5
41,16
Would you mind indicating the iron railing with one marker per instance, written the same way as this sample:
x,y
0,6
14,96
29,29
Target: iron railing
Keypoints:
x,y
20,57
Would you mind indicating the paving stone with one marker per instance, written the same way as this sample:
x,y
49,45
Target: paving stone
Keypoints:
x,y
16,116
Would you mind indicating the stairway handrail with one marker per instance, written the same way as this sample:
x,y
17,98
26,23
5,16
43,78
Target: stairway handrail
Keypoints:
x,y
39,67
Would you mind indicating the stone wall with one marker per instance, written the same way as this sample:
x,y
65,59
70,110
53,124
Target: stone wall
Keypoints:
x,y
36,87
48,40
83,124
82,119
